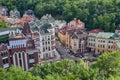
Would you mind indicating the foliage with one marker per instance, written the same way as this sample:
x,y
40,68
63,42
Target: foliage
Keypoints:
x,y
106,68
108,65
3,25
64,70
15,73
104,14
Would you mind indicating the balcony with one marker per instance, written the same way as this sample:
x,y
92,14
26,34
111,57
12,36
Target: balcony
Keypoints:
x,y
5,57
6,65
31,60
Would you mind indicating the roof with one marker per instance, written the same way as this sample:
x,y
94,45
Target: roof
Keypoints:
x,y
45,27
25,19
107,35
96,31
26,28
118,44
63,30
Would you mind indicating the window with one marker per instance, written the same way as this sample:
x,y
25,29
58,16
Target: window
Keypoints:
x,y
4,54
43,49
5,61
20,61
49,48
31,56
46,43
43,43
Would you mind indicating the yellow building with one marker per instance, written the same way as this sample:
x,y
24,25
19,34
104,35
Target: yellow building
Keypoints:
x,y
103,42
62,35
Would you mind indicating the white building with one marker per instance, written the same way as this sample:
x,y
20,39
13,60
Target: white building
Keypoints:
x,y
44,39
47,42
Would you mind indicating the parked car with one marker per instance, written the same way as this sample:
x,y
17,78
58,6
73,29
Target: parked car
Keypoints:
x,y
62,56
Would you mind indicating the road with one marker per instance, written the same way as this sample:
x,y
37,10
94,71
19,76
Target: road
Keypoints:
x,y
63,52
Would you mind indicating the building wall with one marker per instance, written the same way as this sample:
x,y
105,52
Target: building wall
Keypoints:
x,y
77,45
47,47
62,38
101,45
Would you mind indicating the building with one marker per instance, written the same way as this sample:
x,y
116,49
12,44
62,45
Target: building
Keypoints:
x,y
29,13
44,33
3,11
62,35
76,24
72,25
14,14
59,24
20,49
5,60
102,42
47,42
91,39
77,40
74,36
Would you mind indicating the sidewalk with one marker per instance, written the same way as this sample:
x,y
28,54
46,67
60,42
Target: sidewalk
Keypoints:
x,y
57,58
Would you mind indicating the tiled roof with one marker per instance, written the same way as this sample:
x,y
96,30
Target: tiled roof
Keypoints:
x,y
96,31
107,35
25,19
75,33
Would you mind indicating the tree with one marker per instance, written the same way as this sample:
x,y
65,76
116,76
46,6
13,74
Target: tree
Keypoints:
x,y
108,65
15,73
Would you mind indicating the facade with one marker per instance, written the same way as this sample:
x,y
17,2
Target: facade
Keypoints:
x,y
102,42
62,35
91,39
59,24
20,50
3,11
76,40
44,38
14,14
72,25
47,42
74,36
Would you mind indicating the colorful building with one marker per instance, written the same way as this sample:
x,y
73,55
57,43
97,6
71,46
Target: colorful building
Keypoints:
x,y
77,40
102,42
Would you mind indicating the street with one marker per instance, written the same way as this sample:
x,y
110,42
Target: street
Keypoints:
x,y
63,52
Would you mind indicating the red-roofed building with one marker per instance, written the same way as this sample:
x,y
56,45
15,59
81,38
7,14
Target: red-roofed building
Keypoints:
x,y
76,24
94,32
25,19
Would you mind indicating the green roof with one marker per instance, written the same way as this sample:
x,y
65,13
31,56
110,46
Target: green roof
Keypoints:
x,y
118,44
45,27
107,35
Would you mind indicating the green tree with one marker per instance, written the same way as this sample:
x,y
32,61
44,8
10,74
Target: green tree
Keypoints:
x,y
108,65
15,73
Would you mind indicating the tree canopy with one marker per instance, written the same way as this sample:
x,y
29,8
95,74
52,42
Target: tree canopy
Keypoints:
x,y
15,73
107,67
104,14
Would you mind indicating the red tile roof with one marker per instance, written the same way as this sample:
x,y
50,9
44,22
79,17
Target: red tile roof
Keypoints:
x,y
25,19
96,31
